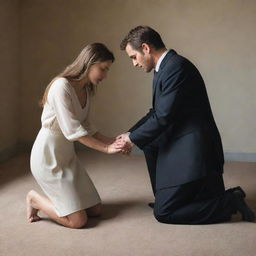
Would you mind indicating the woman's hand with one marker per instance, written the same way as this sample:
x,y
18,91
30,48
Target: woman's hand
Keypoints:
x,y
126,143
115,147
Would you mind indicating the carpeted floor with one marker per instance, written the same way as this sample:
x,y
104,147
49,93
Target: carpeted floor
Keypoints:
x,y
127,226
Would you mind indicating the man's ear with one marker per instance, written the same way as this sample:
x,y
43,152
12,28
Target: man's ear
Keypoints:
x,y
146,48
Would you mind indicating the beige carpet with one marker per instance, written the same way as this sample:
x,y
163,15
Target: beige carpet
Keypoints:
x,y
127,226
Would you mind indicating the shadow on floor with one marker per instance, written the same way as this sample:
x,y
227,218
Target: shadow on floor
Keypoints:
x,y
110,211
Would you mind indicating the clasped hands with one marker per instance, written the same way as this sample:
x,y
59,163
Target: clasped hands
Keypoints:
x,y
121,144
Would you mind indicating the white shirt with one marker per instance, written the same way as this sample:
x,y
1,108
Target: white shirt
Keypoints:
x,y
62,112
160,60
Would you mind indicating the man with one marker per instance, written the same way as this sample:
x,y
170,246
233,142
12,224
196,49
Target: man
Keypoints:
x,y
180,140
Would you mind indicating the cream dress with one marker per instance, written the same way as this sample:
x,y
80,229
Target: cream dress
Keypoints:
x,y
54,163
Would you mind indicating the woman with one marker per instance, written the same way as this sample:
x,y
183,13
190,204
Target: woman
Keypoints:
x,y
71,195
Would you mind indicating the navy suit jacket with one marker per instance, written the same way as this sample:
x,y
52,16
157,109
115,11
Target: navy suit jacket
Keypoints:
x,y
181,124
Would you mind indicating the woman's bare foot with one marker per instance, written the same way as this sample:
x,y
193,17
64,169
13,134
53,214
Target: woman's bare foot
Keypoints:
x,y
31,212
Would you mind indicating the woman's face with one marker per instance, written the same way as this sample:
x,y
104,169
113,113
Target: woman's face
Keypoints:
x,y
98,71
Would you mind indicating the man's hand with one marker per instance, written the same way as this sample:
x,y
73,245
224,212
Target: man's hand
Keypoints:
x,y
125,142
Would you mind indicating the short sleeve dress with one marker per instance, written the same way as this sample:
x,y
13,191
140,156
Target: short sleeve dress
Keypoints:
x,y
53,161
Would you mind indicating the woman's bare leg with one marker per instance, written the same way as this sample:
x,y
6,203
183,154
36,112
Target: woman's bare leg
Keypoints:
x,y
36,202
94,211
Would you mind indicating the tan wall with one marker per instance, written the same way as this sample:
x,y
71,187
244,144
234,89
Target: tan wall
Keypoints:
x,y
218,36
9,66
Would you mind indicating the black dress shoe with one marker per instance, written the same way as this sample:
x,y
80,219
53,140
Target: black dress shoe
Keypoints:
x,y
151,205
242,207
239,190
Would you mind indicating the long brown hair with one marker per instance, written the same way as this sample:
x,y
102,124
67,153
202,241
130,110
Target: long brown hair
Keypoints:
x,y
91,54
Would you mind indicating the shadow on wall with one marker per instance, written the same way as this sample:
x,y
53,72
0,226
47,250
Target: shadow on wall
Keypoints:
x,y
14,168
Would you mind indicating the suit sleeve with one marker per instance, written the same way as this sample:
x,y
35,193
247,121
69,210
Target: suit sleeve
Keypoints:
x,y
166,103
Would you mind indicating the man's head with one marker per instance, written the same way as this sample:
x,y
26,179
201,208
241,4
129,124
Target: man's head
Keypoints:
x,y
142,45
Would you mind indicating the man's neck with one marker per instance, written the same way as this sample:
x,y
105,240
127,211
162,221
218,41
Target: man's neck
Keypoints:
x,y
157,54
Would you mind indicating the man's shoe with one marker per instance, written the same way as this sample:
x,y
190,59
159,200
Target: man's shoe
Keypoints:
x,y
151,205
242,207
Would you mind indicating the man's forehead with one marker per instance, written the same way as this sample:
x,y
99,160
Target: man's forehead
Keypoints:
x,y
130,51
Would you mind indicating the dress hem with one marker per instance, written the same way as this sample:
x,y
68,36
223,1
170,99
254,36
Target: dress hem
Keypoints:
x,y
68,212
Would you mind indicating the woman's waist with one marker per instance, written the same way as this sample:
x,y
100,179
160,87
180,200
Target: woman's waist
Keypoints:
x,y
52,126
54,135
47,139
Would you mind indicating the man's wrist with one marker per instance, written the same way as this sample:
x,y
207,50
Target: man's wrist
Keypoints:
x,y
129,139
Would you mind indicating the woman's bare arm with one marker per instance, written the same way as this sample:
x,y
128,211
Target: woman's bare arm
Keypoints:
x,y
96,144
103,138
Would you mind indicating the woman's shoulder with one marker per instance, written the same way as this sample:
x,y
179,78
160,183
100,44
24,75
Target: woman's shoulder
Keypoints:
x,y
61,84
61,81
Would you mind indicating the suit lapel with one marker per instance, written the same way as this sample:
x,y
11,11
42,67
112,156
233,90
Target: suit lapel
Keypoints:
x,y
158,74
155,79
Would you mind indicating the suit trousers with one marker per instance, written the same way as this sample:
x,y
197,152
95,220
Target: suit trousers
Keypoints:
x,y
203,201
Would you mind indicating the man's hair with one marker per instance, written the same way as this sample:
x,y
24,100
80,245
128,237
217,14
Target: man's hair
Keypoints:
x,y
142,34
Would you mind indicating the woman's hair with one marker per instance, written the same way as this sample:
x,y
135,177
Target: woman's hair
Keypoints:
x,y
142,34
91,54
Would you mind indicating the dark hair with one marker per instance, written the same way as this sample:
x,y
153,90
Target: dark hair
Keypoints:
x,y
142,34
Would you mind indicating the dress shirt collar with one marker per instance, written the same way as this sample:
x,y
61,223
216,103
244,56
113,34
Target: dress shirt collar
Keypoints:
x,y
160,60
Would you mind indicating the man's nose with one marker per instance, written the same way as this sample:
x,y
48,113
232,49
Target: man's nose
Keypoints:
x,y
135,63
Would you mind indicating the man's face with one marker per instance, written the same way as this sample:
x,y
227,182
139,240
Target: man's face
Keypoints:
x,y
142,59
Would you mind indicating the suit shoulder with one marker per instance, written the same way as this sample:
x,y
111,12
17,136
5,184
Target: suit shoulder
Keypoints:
x,y
177,59
178,63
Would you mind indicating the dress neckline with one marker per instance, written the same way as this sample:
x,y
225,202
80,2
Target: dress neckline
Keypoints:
x,y
82,107
77,99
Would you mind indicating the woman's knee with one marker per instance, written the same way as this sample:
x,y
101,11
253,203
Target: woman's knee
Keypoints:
x,y
78,223
77,220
